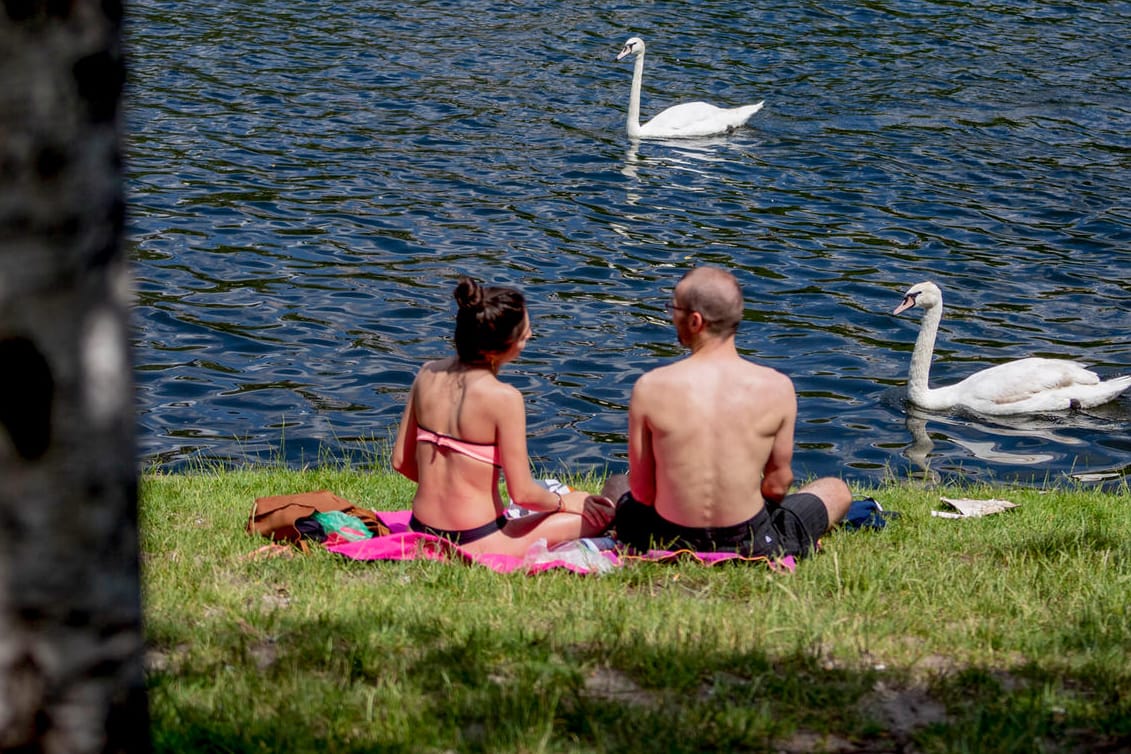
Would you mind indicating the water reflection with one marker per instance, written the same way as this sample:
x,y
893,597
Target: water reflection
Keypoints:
x,y
631,169
1009,441
691,155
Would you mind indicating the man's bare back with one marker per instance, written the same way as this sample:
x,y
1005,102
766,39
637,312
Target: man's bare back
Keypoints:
x,y
713,420
710,438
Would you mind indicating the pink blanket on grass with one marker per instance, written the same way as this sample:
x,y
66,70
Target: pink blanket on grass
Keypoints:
x,y
404,544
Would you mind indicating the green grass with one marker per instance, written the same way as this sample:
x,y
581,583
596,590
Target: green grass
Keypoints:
x,y
1010,633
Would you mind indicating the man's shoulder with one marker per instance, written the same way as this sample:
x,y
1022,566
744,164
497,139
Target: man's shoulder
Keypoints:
x,y
768,373
734,362
737,374
662,374
770,381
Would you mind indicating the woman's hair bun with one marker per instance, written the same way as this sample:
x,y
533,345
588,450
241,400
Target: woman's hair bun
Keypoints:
x,y
469,294
490,319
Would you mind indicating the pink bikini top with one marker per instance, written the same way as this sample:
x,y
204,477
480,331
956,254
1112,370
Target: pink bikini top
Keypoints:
x,y
480,451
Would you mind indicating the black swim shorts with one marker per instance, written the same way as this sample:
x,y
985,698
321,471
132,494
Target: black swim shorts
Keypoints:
x,y
791,527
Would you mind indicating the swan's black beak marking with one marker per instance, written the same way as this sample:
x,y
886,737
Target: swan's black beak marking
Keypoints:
x,y
907,303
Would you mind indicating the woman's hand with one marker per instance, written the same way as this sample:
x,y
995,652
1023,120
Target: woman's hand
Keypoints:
x,y
598,510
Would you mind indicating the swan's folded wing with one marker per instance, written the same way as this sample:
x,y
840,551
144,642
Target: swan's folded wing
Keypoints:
x,y
683,117
1021,380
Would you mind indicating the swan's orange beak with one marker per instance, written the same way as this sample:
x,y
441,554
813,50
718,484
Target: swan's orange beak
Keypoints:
x,y
908,302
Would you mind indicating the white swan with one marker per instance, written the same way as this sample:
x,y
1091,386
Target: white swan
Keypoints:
x,y
690,119
1026,386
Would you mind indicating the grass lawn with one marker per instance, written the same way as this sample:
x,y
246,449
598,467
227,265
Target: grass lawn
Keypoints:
x,y
1010,633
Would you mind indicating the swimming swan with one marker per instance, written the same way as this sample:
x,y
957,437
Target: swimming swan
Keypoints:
x,y
1025,386
689,119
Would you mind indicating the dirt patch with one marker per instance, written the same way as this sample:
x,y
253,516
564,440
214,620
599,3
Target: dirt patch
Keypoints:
x,y
933,666
265,653
614,686
165,659
804,742
902,710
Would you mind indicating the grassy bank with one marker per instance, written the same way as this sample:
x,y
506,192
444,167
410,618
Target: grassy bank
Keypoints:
x,y
1010,633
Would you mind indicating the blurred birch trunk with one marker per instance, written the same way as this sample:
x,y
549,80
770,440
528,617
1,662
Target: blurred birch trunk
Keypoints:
x,y
71,675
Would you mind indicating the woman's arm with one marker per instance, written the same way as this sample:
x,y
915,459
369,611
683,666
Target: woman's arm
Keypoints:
x,y
404,451
510,434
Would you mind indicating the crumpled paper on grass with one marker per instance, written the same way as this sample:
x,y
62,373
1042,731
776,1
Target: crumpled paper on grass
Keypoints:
x,y
971,508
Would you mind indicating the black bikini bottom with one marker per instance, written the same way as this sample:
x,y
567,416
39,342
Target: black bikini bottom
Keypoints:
x,y
459,536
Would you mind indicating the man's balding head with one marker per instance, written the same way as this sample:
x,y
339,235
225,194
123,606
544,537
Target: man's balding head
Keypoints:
x,y
715,294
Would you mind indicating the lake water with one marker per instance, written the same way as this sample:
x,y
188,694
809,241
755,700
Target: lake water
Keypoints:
x,y
308,180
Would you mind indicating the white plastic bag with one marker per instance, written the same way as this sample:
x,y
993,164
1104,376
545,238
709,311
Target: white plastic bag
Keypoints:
x,y
581,553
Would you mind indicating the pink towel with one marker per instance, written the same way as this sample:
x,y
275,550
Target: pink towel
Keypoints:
x,y
403,544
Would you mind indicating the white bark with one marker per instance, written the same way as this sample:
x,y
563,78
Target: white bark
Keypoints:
x,y
71,675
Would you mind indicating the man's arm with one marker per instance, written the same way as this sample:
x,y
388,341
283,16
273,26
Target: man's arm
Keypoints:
x,y
778,474
641,462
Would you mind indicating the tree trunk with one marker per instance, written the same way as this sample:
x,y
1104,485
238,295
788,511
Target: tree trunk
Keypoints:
x,y
71,676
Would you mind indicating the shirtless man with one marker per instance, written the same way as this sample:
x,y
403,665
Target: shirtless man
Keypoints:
x,y
710,441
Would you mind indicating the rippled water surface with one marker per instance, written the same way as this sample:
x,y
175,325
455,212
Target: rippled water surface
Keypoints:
x,y
307,181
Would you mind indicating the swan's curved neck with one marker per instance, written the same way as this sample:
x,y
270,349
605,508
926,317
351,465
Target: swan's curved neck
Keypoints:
x,y
917,384
634,97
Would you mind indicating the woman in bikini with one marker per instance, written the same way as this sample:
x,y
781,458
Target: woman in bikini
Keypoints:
x,y
462,426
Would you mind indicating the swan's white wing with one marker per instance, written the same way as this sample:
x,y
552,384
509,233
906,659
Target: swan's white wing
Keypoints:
x,y
697,119
1021,380
680,118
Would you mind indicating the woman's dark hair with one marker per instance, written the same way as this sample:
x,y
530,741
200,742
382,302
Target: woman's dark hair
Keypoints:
x,y
489,320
